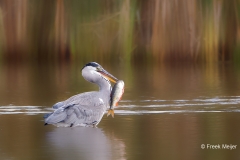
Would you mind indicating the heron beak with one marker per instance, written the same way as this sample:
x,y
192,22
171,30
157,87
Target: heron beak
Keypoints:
x,y
108,76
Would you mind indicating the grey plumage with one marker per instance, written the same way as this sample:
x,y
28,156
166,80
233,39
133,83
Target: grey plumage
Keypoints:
x,y
85,109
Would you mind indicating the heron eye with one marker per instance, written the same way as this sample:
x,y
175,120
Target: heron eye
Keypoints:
x,y
99,69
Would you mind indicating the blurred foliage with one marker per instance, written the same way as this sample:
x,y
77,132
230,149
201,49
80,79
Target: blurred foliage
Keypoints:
x,y
104,30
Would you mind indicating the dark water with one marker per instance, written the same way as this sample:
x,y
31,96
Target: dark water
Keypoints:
x,y
167,112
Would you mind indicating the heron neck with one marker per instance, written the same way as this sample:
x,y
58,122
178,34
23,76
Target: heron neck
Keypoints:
x,y
105,86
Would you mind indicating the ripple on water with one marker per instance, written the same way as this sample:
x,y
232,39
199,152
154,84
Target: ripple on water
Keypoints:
x,y
31,110
198,105
153,106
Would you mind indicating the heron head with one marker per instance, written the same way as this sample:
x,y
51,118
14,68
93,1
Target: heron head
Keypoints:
x,y
92,69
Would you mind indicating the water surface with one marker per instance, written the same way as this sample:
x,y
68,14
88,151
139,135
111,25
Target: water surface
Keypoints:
x,y
167,112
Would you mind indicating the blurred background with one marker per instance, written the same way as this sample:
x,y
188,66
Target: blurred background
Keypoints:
x,y
107,30
179,59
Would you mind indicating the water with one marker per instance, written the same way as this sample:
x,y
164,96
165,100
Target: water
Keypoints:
x,y
167,112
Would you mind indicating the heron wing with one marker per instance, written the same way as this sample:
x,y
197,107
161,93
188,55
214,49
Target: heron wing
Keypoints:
x,y
84,109
83,99
83,115
77,114
58,105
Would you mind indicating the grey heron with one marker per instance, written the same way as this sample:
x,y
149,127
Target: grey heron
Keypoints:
x,y
85,109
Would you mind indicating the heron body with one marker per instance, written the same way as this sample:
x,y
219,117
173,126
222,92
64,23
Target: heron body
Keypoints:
x,y
85,109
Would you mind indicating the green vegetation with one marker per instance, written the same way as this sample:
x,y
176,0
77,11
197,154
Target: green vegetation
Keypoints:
x,y
104,30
